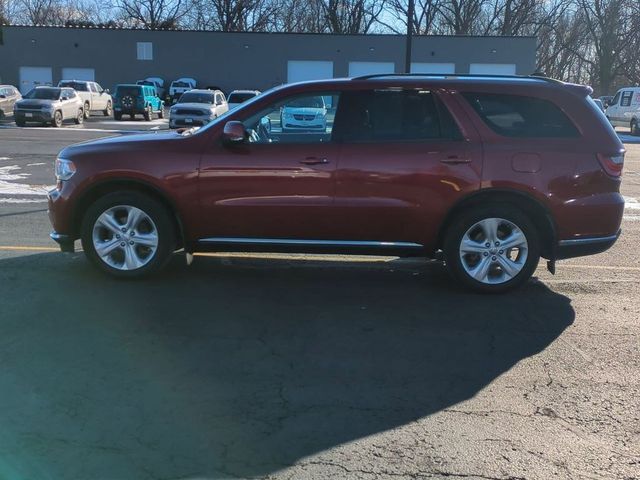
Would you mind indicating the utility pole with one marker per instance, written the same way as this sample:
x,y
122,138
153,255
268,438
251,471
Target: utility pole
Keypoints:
x,y
407,61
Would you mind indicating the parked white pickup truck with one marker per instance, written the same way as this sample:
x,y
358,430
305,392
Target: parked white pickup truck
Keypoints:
x,y
95,98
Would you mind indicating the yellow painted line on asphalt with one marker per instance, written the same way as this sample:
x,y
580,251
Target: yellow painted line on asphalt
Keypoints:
x,y
20,248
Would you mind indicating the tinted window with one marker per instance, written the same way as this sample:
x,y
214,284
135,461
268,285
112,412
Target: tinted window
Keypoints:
x,y
77,86
389,116
240,97
625,101
127,90
521,116
181,85
191,97
296,119
615,99
44,94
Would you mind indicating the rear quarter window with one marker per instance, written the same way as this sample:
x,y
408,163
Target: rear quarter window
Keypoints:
x,y
521,116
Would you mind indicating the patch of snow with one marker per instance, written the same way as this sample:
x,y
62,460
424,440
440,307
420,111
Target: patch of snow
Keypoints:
x,y
10,172
35,164
631,203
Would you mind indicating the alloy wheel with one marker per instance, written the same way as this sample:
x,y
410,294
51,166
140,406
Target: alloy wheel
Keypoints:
x,y
493,251
125,238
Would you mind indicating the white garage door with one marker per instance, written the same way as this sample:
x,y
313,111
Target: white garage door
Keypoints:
x,y
33,76
493,68
357,69
86,74
433,68
301,71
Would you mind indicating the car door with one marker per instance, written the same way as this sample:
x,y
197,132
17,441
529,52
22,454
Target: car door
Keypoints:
x,y
68,101
273,185
96,99
403,162
625,112
613,110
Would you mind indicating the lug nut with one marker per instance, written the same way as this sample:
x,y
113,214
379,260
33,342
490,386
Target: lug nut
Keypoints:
x,y
118,237
501,252
130,243
497,243
487,244
122,244
124,229
493,258
486,254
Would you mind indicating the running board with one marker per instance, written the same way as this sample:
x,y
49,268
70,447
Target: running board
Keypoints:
x,y
231,244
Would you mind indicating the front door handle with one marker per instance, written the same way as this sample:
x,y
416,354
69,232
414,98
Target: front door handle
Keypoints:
x,y
455,160
314,161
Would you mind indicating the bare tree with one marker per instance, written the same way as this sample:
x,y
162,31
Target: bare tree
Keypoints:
x,y
351,16
152,14
425,16
236,15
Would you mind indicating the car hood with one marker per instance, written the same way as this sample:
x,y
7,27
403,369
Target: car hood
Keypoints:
x,y
199,106
119,143
34,102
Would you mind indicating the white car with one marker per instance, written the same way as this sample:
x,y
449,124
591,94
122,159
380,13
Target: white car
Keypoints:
x,y
154,82
304,114
180,86
197,108
94,97
624,109
240,96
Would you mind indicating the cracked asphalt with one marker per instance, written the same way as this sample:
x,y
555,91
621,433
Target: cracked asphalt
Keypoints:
x,y
309,367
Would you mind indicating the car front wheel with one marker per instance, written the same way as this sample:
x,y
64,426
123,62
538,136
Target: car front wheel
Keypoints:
x,y
87,110
635,128
57,119
109,110
79,117
128,234
492,249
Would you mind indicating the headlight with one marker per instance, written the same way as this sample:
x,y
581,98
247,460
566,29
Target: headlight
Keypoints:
x,y
64,169
48,107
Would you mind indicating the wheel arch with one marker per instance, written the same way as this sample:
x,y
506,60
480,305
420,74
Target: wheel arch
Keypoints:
x,y
99,189
533,208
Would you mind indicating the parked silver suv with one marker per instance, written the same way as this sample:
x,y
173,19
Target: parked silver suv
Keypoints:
x,y
197,108
50,105
9,95
94,97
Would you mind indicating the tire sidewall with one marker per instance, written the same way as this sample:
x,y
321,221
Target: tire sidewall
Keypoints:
x,y
87,110
79,117
155,210
57,119
466,220
635,129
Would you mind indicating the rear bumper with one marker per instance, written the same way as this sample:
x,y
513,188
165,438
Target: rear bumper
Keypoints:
x,y
580,247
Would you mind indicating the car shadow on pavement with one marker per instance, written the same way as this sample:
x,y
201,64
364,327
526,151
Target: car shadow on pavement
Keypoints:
x,y
239,367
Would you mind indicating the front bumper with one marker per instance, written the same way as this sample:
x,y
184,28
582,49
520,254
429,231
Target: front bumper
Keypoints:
x,y
188,121
33,116
66,242
580,247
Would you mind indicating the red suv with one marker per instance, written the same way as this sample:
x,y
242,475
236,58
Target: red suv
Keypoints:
x,y
486,173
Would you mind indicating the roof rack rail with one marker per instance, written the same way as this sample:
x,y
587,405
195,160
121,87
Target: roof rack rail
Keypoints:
x,y
455,75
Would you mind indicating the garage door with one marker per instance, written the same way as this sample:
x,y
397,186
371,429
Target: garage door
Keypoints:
x,y
433,68
493,68
357,69
301,70
86,74
33,76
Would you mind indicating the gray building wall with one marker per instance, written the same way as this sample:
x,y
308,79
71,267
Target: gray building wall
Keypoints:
x,y
236,60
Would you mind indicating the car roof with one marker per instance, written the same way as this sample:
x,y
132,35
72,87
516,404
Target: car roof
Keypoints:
x,y
245,91
201,90
76,81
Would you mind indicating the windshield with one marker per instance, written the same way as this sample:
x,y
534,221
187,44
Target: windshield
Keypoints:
x,y
240,97
128,90
146,82
306,102
181,85
191,97
77,86
44,94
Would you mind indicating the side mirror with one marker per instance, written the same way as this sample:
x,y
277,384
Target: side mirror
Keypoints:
x,y
107,91
234,132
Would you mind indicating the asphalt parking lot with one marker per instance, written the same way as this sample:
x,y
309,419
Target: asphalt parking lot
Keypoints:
x,y
294,367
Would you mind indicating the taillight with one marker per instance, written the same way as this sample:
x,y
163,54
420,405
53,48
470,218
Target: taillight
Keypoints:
x,y
612,164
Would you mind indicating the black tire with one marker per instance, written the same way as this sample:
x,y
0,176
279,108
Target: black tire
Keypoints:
x,y
79,117
87,110
117,116
635,128
109,110
164,227
161,112
148,113
132,116
460,226
21,123
57,119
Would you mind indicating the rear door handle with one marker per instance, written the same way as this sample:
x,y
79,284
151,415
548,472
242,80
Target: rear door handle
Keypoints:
x,y
455,160
314,161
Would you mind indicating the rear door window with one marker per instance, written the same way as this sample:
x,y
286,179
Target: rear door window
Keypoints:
x,y
392,115
521,116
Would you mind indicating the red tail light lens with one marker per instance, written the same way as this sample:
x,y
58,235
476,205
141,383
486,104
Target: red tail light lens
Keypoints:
x,y
612,164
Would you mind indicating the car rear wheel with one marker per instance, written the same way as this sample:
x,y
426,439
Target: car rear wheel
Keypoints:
x,y
109,110
117,116
492,249
79,117
128,234
635,128
57,119
161,112
20,123
87,110
148,113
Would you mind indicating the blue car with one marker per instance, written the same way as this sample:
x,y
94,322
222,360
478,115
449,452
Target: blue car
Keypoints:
x,y
132,99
